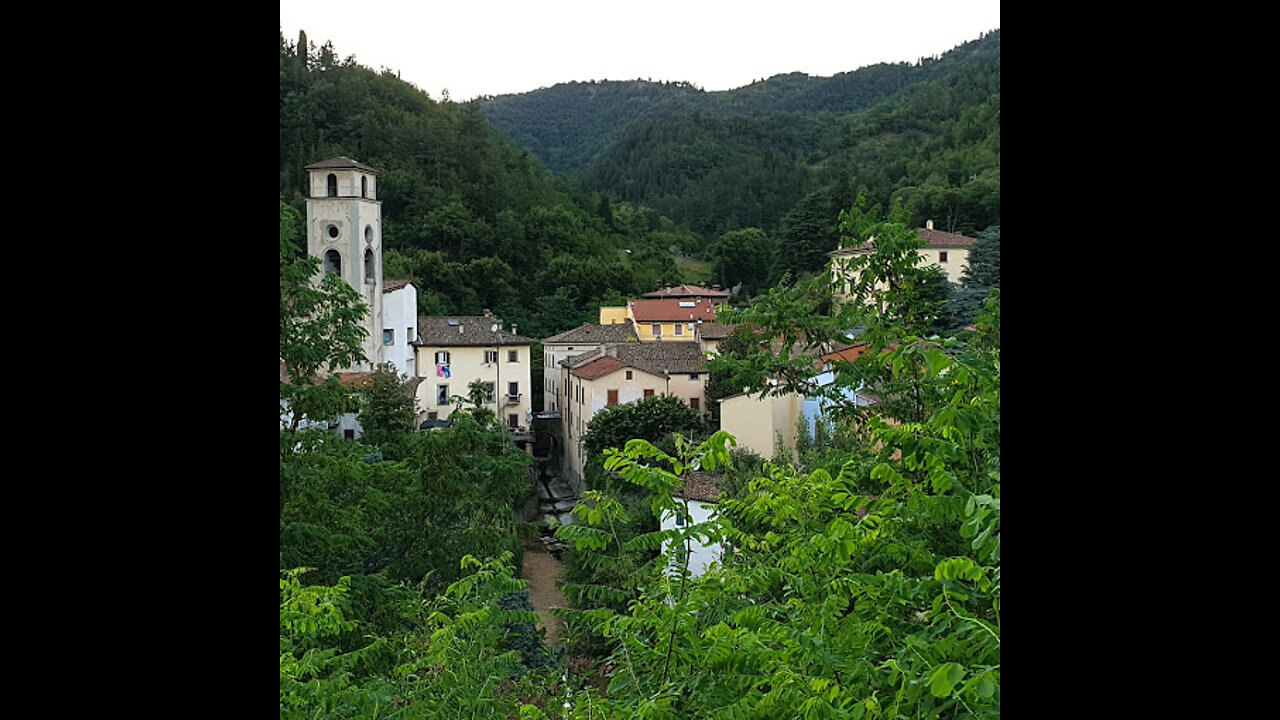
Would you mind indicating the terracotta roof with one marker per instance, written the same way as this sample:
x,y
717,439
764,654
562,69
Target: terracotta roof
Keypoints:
x,y
848,353
683,291
699,485
464,331
654,310
342,162
393,285
714,331
355,380
597,368
588,333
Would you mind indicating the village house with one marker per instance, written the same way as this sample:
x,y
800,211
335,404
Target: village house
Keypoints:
x,y
452,351
948,251
670,314
576,341
700,491
621,373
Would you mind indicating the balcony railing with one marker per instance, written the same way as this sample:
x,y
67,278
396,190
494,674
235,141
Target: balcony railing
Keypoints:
x,y
514,399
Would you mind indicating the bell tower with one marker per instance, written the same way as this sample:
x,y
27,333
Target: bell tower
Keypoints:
x,y
344,230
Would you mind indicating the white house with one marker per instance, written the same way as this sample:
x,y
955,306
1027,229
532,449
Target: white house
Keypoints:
x,y
399,324
699,490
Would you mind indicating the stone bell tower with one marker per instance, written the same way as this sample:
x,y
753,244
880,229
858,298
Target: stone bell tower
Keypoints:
x,y
344,230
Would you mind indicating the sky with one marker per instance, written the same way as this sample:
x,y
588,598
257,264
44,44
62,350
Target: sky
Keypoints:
x,y
471,48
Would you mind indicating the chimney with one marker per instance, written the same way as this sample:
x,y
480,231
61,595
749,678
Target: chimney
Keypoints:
x,y
487,313
928,224
513,329
459,328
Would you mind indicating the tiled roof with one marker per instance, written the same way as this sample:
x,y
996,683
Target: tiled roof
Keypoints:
x,y
661,358
576,361
588,333
653,310
597,368
355,380
932,239
342,162
714,331
464,331
684,291
393,285
940,239
653,358
699,485
848,353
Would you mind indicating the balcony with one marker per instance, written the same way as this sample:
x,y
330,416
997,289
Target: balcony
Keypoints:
x,y
513,399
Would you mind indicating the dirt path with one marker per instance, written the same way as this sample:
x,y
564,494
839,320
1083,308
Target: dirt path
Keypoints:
x,y
542,571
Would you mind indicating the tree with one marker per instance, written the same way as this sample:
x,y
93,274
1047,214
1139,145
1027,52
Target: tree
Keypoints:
x,y
649,418
388,410
983,270
744,256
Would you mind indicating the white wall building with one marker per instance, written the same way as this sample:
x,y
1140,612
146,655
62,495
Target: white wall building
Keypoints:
x,y
700,491
399,325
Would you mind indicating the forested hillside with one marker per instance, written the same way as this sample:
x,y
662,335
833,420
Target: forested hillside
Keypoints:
x,y
716,162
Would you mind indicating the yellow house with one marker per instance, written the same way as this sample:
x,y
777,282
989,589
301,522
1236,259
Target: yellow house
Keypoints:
x,y
760,423
453,351
669,314
949,251
623,373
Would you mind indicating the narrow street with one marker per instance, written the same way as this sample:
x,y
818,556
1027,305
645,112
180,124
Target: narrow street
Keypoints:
x,y
543,571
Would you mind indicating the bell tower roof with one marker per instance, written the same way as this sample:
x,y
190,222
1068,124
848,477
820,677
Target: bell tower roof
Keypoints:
x,y
342,163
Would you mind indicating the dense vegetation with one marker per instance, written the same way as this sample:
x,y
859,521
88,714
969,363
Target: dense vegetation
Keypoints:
x,y
862,581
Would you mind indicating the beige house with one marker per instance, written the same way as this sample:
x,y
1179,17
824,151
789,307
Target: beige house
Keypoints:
x,y
576,341
621,373
453,351
949,251
760,423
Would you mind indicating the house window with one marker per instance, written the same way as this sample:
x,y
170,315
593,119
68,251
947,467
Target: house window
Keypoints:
x,y
628,374
656,329
364,186
513,420
513,390
491,356
488,392
942,256
693,376
332,185
408,335
433,415
680,518
679,329
613,397
349,434
333,263
388,337
694,403
513,356
648,393
442,358
442,394
368,266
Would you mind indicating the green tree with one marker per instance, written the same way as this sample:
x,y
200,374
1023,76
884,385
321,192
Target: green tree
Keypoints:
x,y
388,410
746,257
649,418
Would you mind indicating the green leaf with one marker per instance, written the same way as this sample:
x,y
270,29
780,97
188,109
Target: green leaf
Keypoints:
x,y
944,678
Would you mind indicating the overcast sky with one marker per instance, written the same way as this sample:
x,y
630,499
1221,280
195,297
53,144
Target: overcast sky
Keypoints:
x,y
497,47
